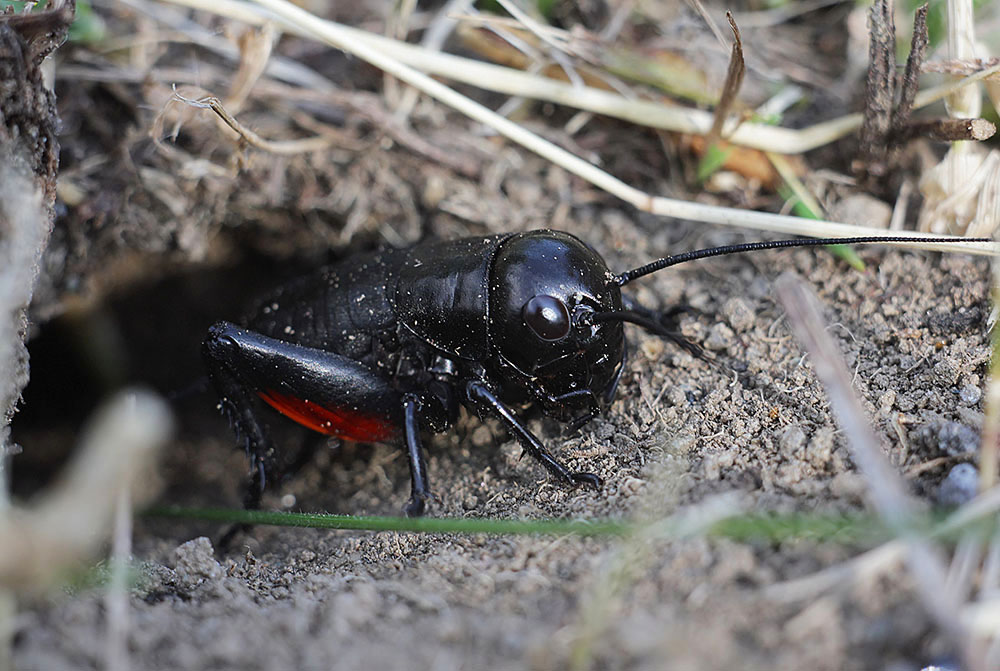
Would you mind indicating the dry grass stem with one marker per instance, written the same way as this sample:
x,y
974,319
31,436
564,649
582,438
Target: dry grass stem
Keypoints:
x,y
949,202
699,7
359,44
116,599
787,173
989,459
963,67
962,45
885,487
255,53
434,37
883,558
533,26
309,85
626,563
962,192
444,23
519,83
277,66
118,450
864,567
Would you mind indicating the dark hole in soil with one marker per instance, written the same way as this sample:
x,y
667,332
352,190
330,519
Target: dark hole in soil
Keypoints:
x,y
148,336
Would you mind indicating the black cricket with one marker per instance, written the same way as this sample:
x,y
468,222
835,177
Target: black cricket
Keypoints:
x,y
384,345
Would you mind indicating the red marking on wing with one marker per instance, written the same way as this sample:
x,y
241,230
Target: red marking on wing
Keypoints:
x,y
340,422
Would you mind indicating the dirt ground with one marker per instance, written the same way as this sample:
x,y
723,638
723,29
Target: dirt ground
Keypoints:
x,y
156,261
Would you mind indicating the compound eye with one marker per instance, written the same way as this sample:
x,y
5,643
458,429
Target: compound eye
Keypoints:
x,y
547,316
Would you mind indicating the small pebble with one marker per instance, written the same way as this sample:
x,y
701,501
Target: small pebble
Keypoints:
x,y
675,397
955,439
434,192
652,348
194,563
848,485
960,486
604,431
819,450
886,401
738,314
861,208
719,338
947,372
970,394
792,440
481,436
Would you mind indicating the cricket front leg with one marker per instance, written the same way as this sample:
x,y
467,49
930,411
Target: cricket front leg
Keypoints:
x,y
481,397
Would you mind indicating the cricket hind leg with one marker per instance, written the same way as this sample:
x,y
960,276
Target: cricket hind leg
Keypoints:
x,y
241,406
324,391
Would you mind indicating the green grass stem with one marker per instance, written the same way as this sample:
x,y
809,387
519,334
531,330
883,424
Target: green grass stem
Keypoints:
x,y
857,528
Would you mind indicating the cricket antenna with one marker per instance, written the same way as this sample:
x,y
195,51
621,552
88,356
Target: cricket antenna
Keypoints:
x,y
666,262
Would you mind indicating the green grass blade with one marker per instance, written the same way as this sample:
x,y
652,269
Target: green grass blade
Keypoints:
x,y
762,527
859,528
712,161
467,525
844,252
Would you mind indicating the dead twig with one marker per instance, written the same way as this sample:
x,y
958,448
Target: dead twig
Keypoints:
x,y
945,130
880,89
283,147
734,81
889,100
911,76
42,31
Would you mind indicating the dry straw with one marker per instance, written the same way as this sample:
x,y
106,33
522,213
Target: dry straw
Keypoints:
x,y
389,55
